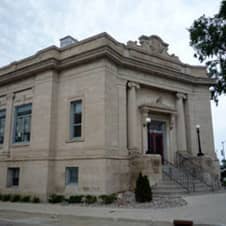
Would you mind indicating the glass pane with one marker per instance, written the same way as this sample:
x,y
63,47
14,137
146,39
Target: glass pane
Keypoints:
x,y
77,131
2,113
2,125
23,110
78,107
72,175
13,176
77,118
156,126
19,129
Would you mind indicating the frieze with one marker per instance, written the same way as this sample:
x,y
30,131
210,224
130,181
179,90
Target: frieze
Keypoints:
x,y
152,52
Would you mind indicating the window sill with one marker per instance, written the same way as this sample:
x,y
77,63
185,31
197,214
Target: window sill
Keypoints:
x,y
13,187
16,145
80,139
72,185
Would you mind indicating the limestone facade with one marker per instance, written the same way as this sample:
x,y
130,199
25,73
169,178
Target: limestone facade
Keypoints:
x,y
119,87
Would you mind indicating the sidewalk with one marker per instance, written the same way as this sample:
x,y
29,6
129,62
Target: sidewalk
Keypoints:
x,y
202,209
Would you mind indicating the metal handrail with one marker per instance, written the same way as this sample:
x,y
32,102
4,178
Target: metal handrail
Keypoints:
x,y
185,180
196,170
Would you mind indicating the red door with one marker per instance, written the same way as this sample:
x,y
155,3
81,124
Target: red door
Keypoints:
x,y
155,143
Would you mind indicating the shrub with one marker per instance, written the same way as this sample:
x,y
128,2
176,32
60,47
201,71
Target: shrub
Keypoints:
x,y
224,182
143,191
90,199
6,197
75,199
26,198
108,199
15,198
36,200
0,197
55,198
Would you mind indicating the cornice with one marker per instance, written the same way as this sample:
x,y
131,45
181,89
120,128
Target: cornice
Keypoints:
x,y
30,70
50,59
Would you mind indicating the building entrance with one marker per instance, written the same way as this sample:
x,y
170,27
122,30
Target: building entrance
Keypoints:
x,y
156,138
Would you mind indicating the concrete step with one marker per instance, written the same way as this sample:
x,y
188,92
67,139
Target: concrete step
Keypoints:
x,y
168,187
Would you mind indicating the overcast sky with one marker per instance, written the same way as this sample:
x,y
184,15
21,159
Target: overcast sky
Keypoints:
x,y
30,25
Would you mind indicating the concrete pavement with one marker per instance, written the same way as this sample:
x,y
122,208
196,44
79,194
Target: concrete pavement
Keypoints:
x,y
202,209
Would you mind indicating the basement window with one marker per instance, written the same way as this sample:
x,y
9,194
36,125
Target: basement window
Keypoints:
x,y
13,176
71,175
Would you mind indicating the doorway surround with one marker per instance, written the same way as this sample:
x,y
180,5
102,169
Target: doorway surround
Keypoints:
x,y
158,112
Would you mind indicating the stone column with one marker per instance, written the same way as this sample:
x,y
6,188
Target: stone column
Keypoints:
x,y
181,130
8,124
132,115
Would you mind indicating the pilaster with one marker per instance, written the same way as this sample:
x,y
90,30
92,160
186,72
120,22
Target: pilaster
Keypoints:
x,y
132,115
181,130
8,125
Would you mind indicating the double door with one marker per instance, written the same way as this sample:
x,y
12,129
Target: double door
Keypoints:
x,y
156,138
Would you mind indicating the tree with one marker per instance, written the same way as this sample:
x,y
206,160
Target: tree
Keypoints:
x,y
208,38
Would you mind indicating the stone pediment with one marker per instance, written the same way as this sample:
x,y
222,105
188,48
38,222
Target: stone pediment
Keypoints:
x,y
158,107
153,45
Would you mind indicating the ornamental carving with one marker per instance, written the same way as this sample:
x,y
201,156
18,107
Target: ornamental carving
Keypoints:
x,y
152,44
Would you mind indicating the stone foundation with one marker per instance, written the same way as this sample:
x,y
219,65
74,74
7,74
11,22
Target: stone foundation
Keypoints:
x,y
149,165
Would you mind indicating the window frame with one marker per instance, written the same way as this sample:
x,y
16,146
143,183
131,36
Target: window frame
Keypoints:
x,y
68,176
72,123
69,138
14,142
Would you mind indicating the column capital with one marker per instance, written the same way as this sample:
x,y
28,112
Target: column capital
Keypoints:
x,y
10,96
133,84
181,96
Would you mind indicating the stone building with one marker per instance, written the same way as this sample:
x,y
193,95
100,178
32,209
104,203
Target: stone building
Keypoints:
x,y
86,117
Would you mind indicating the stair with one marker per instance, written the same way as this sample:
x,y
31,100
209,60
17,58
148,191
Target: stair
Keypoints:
x,y
167,187
171,188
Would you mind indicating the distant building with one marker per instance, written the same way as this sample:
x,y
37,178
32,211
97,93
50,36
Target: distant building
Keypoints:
x,y
89,116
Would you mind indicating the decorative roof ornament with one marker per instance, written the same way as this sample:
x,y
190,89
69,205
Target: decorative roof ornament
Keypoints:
x,y
153,45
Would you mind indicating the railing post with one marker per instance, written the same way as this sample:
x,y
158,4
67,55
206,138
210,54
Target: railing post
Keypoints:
x,y
193,185
170,172
188,183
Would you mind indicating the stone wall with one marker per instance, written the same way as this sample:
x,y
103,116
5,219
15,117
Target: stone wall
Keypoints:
x,y
149,165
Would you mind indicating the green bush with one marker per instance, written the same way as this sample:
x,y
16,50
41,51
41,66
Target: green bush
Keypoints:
x,y
36,200
0,197
90,199
55,198
6,197
15,198
143,191
26,199
75,199
108,199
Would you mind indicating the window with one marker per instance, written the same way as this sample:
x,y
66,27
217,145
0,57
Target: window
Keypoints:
x,y
13,177
22,124
2,125
76,119
71,175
